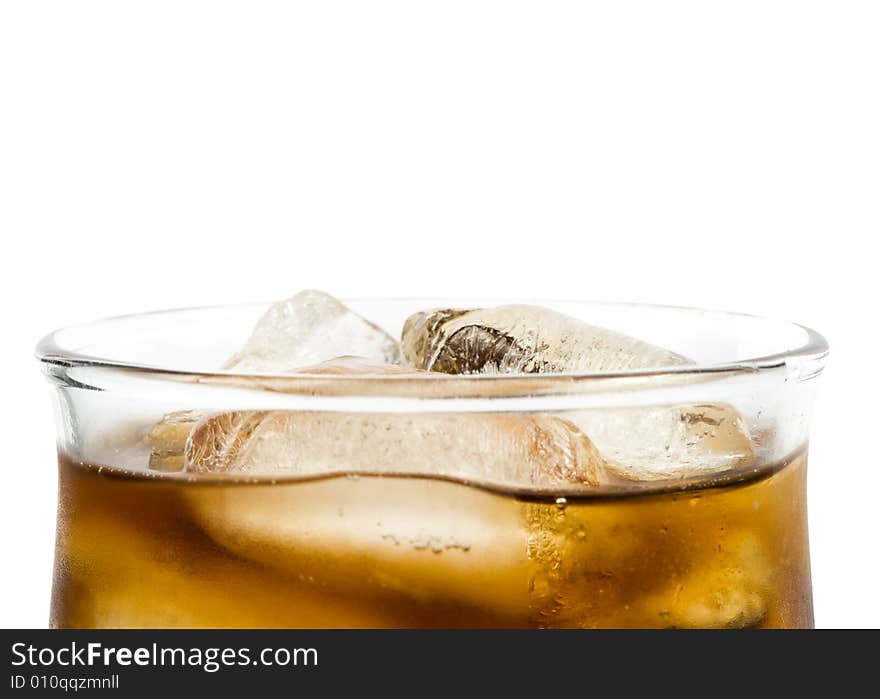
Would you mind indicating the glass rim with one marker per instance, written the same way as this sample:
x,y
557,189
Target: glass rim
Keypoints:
x,y
808,358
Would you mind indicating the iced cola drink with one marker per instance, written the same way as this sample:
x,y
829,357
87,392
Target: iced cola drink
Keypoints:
x,y
582,466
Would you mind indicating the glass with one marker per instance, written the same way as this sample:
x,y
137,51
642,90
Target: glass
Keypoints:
x,y
143,544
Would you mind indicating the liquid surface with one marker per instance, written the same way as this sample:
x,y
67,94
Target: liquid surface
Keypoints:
x,y
389,551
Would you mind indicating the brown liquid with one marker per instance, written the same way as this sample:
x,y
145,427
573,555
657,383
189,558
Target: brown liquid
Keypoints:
x,y
139,551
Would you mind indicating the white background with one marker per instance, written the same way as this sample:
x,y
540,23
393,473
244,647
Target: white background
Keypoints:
x,y
719,154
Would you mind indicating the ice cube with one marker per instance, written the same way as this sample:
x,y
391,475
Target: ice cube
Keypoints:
x,y
639,443
668,441
726,599
520,451
418,550
538,451
698,561
309,328
522,339
728,590
515,450
167,439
